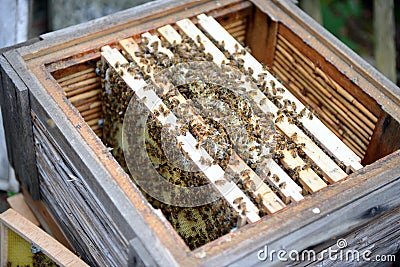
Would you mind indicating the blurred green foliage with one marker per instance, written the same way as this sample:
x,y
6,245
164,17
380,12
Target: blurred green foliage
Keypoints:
x,y
337,13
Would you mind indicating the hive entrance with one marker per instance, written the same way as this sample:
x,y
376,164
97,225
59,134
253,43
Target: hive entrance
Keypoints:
x,y
306,155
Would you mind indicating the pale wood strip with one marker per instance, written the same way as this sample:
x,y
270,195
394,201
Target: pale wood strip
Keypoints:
x,y
81,84
193,32
85,95
170,34
78,79
17,203
76,74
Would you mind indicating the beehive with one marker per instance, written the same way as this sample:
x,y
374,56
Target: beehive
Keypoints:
x,y
84,186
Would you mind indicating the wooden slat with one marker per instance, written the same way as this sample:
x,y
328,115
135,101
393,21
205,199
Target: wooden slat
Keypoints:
x,y
170,34
328,139
18,204
269,107
193,32
31,233
152,101
79,78
76,74
292,191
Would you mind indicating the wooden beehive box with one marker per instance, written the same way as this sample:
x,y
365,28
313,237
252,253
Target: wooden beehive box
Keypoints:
x,y
51,101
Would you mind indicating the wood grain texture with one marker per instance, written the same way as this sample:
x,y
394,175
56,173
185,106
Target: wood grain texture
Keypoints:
x,y
18,204
17,107
381,237
258,37
384,140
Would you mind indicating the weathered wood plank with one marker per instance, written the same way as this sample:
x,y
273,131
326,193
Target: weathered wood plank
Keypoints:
x,y
6,105
381,237
384,140
358,200
17,95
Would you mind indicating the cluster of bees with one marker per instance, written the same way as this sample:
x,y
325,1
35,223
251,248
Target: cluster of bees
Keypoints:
x,y
202,224
38,260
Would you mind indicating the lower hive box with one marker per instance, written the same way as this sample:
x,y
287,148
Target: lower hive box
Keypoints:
x,y
259,124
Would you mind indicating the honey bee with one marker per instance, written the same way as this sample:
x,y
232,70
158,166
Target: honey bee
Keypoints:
x,y
220,182
156,113
310,116
244,211
282,185
280,90
275,177
245,172
203,161
263,101
197,145
279,119
117,65
237,200
235,162
293,104
253,186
